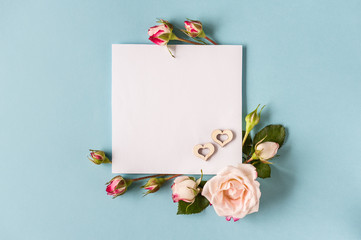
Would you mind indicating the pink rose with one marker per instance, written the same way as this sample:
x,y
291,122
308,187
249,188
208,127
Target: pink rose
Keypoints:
x,y
185,189
266,150
153,185
98,157
194,28
161,34
117,186
234,192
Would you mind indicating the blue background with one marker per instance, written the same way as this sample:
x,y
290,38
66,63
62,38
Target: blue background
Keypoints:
x,y
302,59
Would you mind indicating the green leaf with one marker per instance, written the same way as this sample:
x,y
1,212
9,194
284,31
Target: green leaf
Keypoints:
x,y
200,203
202,183
263,169
271,133
247,148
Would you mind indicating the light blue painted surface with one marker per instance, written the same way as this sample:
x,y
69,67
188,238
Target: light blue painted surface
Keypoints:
x,y
303,59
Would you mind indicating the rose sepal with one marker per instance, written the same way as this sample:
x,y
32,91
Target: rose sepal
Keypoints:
x,y
201,34
253,118
169,25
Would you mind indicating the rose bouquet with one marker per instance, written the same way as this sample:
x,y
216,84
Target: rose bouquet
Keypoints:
x,y
163,33
234,192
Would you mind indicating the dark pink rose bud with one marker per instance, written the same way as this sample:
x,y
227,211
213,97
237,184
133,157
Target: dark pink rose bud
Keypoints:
x,y
162,33
98,157
117,186
194,28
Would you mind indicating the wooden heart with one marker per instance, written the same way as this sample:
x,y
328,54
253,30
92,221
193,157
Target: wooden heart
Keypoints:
x,y
198,148
216,136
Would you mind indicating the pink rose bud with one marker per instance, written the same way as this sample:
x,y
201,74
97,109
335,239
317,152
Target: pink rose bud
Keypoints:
x,y
194,29
252,119
117,186
161,34
266,150
185,189
153,185
98,157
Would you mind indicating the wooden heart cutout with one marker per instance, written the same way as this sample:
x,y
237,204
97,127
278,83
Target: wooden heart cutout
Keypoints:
x,y
217,133
200,147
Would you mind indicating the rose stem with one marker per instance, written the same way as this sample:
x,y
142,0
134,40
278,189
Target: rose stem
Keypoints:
x,y
151,176
211,40
187,41
169,178
245,137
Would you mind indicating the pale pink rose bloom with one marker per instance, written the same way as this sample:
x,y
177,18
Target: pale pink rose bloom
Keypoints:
x,y
267,150
182,189
234,192
156,31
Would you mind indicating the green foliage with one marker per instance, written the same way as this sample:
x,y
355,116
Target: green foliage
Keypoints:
x,y
271,133
247,148
263,169
200,203
202,183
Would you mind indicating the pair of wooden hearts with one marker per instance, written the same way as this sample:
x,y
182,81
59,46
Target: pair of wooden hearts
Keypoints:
x,y
216,136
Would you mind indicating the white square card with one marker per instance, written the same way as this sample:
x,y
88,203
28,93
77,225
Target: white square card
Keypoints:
x,y
162,107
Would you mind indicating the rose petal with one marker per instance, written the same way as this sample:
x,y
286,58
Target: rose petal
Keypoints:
x,y
157,41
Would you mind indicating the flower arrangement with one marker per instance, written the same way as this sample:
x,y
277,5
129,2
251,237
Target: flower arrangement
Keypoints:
x,y
163,33
234,192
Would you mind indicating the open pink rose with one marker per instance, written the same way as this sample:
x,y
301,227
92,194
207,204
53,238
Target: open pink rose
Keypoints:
x,y
234,192
161,34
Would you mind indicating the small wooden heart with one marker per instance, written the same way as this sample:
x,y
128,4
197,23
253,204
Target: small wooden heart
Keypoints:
x,y
197,150
216,134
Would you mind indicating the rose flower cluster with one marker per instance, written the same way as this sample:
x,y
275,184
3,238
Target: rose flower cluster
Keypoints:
x,y
163,33
234,192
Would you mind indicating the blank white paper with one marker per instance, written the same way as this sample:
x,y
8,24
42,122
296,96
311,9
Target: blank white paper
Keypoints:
x,y
162,107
